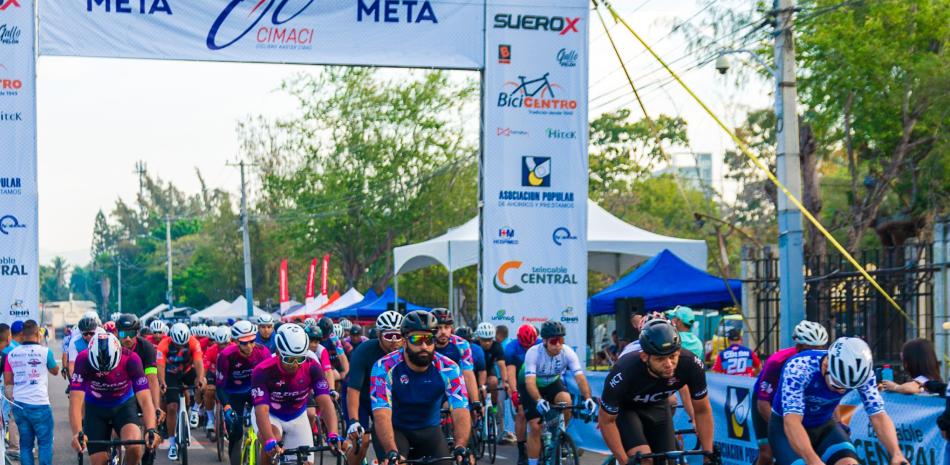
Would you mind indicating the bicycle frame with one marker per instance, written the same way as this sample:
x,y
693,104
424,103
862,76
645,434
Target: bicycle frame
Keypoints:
x,y
248,445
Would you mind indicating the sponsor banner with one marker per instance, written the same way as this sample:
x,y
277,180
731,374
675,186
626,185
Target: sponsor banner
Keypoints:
x,y
19,276
311,275
534,182
417,33
915,418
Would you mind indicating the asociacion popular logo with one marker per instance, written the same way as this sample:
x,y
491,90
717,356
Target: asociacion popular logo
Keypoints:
x,y
737,412
536,171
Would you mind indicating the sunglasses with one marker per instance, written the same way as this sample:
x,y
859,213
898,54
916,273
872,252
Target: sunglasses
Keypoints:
x,y
245,343
125,334
89,334
555,340
420,339
293,360
392,337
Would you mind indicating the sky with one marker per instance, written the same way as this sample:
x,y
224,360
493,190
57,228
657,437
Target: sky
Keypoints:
x,y
98,117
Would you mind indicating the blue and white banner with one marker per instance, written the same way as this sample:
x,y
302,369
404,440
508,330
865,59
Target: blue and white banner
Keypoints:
x,y
534,166
19,276
405,33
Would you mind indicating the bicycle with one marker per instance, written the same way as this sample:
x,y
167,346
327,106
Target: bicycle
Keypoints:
x,y
183,435
447,428
488,426
426,460
221,431
557,447
250,446
115,449
300,454
677,456
678,436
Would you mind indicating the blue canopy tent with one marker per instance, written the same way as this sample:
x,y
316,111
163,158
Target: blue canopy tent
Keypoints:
x,y
664,282
371,308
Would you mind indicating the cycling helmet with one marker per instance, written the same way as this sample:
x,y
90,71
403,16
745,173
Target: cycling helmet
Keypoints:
x,y
127,322
464,332
356,330
158,327
243,330
552,328
850,362
222,334
444,316
659,337
326,325
309,322
87,324
292,341
180,333
485,330
346,324
109,326
265,319
104,352
114,316
94,315
314,333
338,330
419,320
389,321
809,333
527,335
372,333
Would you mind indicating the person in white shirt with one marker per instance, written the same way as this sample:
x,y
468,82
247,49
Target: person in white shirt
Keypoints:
x,y
30,394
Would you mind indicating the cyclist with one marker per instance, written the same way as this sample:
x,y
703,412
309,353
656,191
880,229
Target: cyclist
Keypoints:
x,y
280,388
345,325
540,384
159,331
181,359
265,332
478,356
222,339
205,336
514,358
494,360
128,327
88,327
807,335
815,381
335,349
456,349
355,338
737,359
233,378
107,390
635,414
317,353
358,406
407,390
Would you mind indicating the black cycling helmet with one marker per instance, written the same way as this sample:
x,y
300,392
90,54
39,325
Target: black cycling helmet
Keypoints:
x,y
419,320
87,324
326,325
464,332
314,333
659,337
127,322
356,330
372,333
443,316
551,329
734,334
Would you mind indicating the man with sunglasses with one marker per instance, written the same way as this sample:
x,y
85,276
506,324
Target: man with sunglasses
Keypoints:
x,y
88,327
358,404
540,383
280,387
456,349
407,389
815,381
233,370
128,327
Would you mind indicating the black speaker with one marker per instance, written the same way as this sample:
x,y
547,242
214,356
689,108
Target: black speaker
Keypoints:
x,y
623,309
392,306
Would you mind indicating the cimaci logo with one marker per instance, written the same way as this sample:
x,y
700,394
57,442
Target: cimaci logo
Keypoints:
x,y
500,282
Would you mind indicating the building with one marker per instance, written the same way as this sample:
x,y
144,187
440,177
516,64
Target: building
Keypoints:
x,y
693,169
65,312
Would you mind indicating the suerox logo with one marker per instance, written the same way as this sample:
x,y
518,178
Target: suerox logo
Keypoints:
x,y
560,24
4,4
275,35
142,7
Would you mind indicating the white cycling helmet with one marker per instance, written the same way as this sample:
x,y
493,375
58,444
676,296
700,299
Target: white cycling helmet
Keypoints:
x,y
198,330
265,319
850,362
292,340
485,330
222,334
346,325
338,330
92,314
309,323
180,333
809,333
158,327
104,352
389,321
243,330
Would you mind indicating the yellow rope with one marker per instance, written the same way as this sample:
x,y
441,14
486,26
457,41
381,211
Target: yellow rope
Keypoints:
x,y
758,162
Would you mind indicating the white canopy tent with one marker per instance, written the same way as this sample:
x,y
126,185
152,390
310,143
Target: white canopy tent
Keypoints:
x,y
211,309
351,297
221,314
613,246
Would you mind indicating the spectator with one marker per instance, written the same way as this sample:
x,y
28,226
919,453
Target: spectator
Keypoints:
x,y
683,319
612,351
737,359
16,336
920,364
5,347
30,393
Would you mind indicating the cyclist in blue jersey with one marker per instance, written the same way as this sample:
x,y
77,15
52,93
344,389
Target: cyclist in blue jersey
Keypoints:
x,y
407,390
265,332
478,355
803,429
456,349
514,357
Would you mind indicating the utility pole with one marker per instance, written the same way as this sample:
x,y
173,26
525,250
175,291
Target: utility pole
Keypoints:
x,y
791,255
168,254
119,297
141,170
245,234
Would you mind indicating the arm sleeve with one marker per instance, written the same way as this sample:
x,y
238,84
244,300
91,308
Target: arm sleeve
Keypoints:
x,y
380,384
7,369
50,359
797,373
260,394
325,360
465,363
478,356
320,385
73,351
614,387
697,380
222,370
77,380
196,353
357,369
136,373
161,354
871,397
455,389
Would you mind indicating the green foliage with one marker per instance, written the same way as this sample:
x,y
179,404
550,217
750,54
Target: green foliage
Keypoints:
x,y
53,281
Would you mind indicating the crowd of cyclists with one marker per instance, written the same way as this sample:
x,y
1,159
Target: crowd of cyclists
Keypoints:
x,y
415,385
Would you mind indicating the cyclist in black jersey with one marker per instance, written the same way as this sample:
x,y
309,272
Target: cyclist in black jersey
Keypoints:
x,y
127,325
635,414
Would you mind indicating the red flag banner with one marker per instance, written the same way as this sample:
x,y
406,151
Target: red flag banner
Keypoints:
x,y
284,290
310,277
324,281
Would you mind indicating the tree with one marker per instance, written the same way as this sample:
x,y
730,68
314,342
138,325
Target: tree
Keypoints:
x,y
53,280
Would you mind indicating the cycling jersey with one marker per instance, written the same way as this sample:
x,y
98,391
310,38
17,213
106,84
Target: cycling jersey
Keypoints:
x,y
630,348
269,343
478,357
176,359
66,339
147,353
233,374
737,360
803,389
109,388
548,368
354,342
205,343
155,339
361,365
335,350
286,393
630,386
493,355
77,345
210,357
768,379
414,398
321,357
515,352
459,351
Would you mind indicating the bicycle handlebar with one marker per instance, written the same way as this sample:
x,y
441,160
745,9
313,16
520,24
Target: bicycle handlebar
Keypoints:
x,y
427,460
674,454
299,453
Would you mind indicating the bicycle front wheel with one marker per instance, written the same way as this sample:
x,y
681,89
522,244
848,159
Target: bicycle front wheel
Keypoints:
x,y
492,439
566,452
183,440
219,431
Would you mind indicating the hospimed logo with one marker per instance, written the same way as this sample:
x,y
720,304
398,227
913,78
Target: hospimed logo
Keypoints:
x,y
737,412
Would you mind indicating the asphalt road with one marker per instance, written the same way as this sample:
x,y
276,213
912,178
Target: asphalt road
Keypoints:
x,y
202,451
